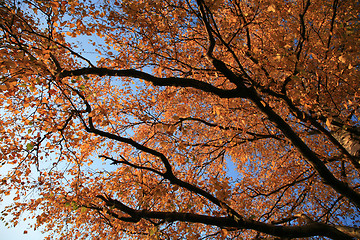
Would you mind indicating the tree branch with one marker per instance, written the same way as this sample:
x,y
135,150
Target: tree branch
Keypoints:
x,y
170,81
309,230
308,154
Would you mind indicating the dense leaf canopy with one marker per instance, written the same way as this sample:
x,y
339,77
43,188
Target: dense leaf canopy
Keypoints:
x,y
181,119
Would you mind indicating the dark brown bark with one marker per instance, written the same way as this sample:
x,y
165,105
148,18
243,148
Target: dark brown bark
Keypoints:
x,y
171,81
308,230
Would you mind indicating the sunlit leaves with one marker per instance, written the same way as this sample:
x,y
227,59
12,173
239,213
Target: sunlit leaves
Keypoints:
x,y
300,61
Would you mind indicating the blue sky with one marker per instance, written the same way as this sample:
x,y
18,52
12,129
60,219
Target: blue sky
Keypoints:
x,y
17,233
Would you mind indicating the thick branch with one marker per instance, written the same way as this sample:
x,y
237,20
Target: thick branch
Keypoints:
x,y
306,117
308,230
308,154
170,81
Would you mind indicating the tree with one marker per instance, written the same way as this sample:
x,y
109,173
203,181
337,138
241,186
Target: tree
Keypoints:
x,y
214,119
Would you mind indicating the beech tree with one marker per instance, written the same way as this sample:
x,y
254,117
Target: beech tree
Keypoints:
x,y
181,119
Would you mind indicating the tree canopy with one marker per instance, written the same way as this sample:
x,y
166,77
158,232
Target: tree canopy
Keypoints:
x,y
181,119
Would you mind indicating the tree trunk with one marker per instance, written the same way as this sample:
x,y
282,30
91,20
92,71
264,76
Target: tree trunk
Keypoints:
x,y
348,138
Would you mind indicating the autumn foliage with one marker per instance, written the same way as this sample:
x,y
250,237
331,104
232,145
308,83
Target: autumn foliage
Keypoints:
x,y
181,119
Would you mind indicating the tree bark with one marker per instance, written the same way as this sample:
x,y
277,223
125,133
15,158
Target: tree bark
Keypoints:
x,y
348,139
